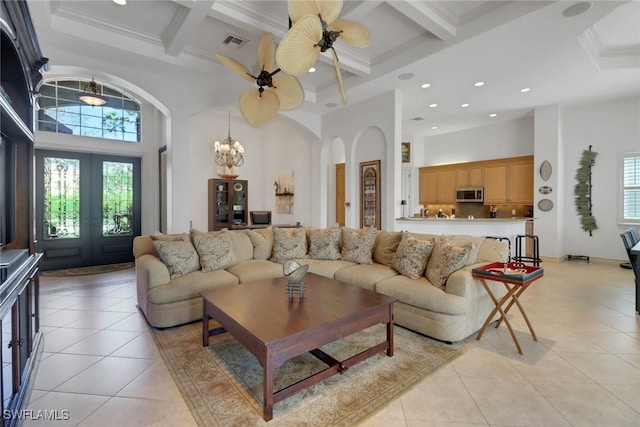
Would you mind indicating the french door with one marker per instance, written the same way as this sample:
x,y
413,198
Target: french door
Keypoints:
x,y
87,208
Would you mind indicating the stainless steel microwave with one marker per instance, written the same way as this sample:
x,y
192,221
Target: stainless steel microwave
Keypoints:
x,y
472,194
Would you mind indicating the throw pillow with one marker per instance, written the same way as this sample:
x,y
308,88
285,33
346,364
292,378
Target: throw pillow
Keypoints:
x,y
262,241
357,244
446,258
412,256
242,246
386,246
215,250
289,243
179,256
325,243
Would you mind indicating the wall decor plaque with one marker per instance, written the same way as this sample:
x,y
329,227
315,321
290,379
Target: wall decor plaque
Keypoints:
x,y
545,170
370,194
545,205
545,189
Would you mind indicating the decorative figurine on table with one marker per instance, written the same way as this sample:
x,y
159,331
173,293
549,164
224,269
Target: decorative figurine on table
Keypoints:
x,y
295,273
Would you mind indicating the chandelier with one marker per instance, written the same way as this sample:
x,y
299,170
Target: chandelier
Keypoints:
x,y
90,95
229,154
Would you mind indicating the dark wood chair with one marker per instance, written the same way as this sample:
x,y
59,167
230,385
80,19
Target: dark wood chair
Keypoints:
x,y
630,238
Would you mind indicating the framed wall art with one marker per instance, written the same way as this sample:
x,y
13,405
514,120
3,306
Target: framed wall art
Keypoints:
x,y
405,151
370,194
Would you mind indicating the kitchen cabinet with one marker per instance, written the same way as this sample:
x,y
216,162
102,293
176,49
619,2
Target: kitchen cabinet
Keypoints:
x,y
521,182
228,203
469,177
437,186
495,184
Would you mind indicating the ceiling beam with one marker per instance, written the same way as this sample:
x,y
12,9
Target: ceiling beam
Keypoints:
x,y
429,16
183,26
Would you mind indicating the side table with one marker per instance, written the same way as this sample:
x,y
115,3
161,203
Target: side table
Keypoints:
x,y
516,278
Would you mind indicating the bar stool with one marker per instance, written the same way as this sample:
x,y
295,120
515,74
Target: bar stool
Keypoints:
x,y
535,259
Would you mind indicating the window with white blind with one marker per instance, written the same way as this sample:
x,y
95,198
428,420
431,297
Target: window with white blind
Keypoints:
x,y
630,168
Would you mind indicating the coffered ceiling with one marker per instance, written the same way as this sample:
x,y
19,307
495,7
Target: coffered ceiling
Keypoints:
x,y
563,57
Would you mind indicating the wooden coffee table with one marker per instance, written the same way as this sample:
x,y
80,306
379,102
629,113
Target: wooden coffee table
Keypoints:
x,y
263,319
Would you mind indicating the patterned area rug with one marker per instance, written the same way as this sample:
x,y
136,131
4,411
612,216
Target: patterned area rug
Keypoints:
x,y
83,271
222,384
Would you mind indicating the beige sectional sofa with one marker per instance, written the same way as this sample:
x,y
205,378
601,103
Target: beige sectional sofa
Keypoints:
x,y
429,275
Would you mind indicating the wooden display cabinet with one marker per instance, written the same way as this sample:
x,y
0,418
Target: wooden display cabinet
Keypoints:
x,y
228,203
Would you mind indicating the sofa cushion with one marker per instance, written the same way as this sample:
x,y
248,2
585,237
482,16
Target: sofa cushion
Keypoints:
x,y
446,258
419,293
215,249
242,246
412,256
179,256
289,243
190,285
256,269
324,243
474,241
357,244
365,275
262,241
325,267
385,246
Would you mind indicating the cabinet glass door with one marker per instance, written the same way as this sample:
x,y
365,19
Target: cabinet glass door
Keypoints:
x,y
7,359
239,204
222,204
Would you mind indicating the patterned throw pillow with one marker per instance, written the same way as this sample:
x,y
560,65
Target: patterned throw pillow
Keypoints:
x,y
446,259
215,250
179,256
289,243
412,256
357,244
325,243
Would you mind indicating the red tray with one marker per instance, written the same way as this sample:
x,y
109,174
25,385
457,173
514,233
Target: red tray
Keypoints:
x,y
515,272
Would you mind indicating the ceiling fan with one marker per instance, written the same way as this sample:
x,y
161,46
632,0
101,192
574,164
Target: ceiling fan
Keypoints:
x,y
315,28
283,92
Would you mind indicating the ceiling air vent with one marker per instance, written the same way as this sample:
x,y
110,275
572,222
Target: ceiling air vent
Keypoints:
x,y
233,40
417,119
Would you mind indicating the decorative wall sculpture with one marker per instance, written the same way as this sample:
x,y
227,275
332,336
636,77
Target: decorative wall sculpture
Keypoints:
x,y
284,192
583,191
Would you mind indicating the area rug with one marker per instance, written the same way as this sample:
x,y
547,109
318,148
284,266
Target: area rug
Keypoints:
x,y
222,383
83,271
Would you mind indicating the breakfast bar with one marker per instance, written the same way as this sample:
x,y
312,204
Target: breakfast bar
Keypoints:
x,y
495,227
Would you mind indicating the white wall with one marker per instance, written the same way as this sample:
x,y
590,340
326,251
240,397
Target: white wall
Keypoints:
x,y
271,150
610,128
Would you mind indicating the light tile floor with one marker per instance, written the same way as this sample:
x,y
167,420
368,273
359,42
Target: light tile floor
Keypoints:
x,y
100,362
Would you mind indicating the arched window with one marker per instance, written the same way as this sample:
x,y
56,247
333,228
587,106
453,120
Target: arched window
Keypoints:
x,y
61,111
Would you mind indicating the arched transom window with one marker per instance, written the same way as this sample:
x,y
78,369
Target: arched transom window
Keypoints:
x,y
61,111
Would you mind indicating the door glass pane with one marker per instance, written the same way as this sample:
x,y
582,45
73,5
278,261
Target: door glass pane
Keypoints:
x,y
117,198
61,198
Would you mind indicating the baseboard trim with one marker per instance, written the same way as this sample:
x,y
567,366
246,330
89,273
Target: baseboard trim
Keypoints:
x,y
592,260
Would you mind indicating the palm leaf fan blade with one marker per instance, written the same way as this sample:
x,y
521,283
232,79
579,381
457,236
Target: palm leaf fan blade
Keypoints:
x,y
298,51
336,64
265,52
352,32
236,67
259,109
328,9
289,91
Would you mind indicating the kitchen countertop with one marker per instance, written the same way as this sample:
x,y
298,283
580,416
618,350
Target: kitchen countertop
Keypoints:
x,y
433,218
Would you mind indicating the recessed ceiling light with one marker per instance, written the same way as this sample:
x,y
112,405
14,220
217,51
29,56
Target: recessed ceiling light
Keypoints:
x,y
331,105
492,115
434,127
425,85
433,105
478,84
576,9
525,89
406,76
312,70
120,2
464,105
